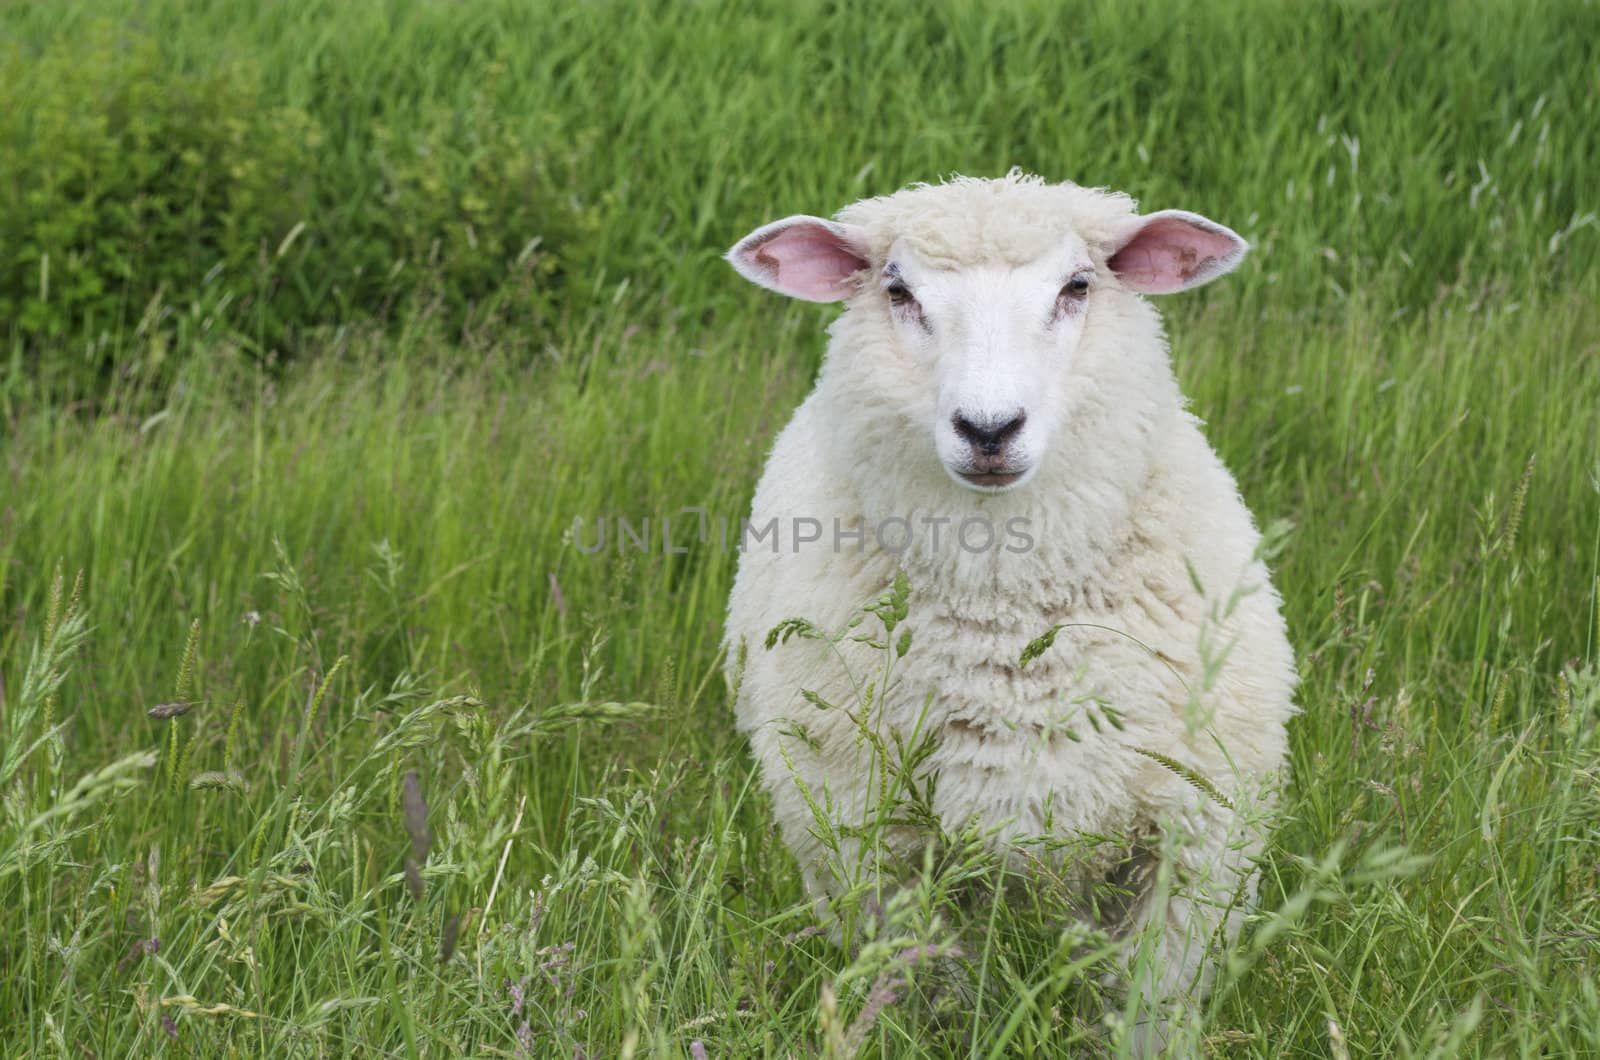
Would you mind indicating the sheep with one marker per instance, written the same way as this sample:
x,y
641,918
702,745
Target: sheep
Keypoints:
x,y
997,363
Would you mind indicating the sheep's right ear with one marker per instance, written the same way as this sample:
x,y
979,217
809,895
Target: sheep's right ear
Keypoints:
x,y
802,257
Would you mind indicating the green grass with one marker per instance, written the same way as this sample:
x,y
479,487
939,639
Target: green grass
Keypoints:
x,y
1408,369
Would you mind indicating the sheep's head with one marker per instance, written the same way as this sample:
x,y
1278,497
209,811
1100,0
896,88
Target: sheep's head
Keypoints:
x,y
989,287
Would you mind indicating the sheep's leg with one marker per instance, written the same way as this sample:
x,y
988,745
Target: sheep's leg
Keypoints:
x,y
825,800
871,875
1198,892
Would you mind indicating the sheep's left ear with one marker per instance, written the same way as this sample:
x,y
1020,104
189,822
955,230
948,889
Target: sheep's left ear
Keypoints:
x,y
1174,250
802,257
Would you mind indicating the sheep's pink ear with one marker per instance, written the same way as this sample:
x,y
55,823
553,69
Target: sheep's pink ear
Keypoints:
x,y
1174,250
802,257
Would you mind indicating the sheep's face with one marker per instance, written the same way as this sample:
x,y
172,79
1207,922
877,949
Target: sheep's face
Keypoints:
x,y
996,344
997,339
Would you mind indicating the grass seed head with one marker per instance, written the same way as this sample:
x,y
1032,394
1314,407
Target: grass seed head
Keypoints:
x,y
167,711
416,820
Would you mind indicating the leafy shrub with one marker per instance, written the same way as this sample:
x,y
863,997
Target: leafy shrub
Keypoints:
x,y
139,192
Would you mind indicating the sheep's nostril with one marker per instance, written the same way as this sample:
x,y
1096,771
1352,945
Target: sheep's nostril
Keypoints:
x,y
990,434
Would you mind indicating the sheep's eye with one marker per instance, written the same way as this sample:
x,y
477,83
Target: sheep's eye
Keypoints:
x,y
900,297
1077,287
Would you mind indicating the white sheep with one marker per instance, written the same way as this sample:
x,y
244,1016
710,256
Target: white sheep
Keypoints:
x,y
996,366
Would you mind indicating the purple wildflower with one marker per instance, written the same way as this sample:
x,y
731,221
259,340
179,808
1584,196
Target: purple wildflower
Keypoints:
x,y
163,711
518,993
917,954
136,951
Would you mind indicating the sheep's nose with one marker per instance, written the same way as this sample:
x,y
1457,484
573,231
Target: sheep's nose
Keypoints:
x,y
989,435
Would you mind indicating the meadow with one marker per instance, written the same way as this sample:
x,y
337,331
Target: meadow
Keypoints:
x,y
323,322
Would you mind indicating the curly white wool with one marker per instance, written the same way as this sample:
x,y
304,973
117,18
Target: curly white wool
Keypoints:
x,y
1141,547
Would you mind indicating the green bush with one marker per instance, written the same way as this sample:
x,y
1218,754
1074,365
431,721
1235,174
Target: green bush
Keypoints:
x,y
139,192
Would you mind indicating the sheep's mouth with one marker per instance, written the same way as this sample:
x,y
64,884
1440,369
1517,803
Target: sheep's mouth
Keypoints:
x,y
991,479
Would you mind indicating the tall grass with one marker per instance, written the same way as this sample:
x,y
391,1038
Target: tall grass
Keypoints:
x,y
341,554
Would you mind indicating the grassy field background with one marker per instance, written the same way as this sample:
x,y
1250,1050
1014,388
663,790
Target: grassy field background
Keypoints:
x,y
324,322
